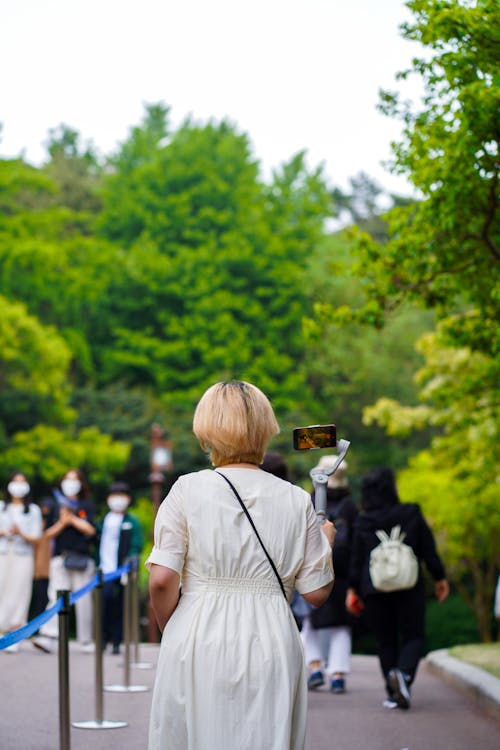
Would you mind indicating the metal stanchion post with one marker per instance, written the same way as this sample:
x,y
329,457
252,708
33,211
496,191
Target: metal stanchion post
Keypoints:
x,y
126,628
127,622
63,664
100,722
135,617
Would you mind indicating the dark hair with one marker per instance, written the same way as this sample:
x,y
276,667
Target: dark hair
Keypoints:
x,y
84,490
119,488
8,497
274,463
378,489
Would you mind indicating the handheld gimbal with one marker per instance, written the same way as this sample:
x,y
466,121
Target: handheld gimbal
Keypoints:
x,y
320,479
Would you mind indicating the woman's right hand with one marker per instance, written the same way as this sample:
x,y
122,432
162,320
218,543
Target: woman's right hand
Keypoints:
x,y
329,531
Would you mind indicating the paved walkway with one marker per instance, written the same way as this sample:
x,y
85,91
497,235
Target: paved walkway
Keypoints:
x,y
442,717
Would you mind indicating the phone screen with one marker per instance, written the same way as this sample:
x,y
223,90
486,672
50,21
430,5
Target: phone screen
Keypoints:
x,y
315,437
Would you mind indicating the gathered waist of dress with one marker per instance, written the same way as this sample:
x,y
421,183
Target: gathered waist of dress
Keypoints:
x,y
230,585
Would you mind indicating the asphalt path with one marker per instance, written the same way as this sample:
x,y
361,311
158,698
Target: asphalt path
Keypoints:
x,y
441,717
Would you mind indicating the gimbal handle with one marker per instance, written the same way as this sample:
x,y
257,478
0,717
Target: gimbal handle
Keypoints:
x,y
320,479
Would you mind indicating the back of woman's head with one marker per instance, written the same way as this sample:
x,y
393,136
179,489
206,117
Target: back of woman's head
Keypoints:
x,y
378,489
234,422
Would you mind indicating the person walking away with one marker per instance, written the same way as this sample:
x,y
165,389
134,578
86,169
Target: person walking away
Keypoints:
x,y
231,670
20,528
120,538
326,631
72,565
395,617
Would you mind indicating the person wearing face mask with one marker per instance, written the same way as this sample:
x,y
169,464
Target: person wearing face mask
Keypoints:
x,y
72,565
120,538
20,528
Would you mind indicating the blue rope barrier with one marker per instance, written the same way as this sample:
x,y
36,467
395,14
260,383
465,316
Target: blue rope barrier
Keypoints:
x,y
31,627
118,573
75,595
36,623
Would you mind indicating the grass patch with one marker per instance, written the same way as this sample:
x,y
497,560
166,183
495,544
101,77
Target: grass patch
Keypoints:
x,y
449,624
485,656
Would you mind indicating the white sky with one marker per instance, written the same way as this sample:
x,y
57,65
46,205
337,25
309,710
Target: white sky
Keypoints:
x,y
292,74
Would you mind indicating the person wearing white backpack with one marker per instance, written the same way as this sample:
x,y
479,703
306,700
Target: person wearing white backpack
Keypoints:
x,y
391,540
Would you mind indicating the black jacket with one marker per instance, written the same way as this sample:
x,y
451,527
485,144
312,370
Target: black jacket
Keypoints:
x,y
418,536
342,510
71,539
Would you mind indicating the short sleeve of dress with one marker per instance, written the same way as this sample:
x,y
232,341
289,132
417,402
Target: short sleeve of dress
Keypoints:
x,y
170,533
317,567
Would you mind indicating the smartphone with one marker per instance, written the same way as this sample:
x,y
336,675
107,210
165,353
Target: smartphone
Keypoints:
x,y
314,437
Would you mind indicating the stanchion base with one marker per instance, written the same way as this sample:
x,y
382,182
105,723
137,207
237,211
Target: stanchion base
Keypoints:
x,y
99,724
142,665
126,688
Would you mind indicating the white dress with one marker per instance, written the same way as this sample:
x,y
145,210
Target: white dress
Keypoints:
x,y
231,672
17,563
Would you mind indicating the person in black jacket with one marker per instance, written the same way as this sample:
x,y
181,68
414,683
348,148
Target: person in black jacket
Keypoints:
x,y
396,618
72,565
326,630
120,538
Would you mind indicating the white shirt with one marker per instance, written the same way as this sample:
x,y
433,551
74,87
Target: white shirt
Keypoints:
x,y
110,540
30,524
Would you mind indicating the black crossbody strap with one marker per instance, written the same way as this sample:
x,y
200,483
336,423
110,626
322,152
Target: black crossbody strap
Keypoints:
x,y
245,510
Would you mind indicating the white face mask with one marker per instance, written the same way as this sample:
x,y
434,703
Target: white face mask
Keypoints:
x,y
18,489
71,487
118,503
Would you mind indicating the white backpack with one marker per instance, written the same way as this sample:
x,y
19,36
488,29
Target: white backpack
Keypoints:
x,y
393,565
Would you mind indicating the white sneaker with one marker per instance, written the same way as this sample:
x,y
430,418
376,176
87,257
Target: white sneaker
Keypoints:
x,y
45,643
389,704
87,648
399,688
12,649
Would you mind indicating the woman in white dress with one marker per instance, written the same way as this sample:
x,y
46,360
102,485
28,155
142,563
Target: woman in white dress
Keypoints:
x,y
231,672
20,529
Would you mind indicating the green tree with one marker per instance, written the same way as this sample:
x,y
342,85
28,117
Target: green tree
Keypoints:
x,y
45,453
210,257
127,415
34,362
442,253
36,420
443,250
48,261
348,368
75,169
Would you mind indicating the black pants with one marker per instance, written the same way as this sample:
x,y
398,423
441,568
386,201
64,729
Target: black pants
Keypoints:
x,y
40,598
398,623
112,613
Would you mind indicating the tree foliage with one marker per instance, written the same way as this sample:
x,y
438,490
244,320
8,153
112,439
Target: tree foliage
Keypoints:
x,y
350,367
209,256
34,361
442,253
443,249
45,453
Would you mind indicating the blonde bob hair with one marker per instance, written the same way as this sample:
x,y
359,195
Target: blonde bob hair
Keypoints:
x,y
234,421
